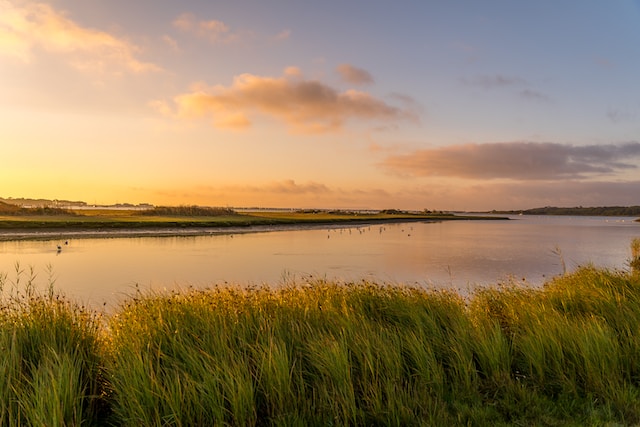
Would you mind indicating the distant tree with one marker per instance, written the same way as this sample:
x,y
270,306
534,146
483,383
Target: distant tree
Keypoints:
x,y
187,211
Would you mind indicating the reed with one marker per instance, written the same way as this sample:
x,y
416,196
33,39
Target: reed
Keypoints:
x,y
325,353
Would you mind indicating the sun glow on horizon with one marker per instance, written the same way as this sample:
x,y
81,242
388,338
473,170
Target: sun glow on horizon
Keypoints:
x,y
218,107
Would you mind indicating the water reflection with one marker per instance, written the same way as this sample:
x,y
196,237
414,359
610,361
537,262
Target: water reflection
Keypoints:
x,y
459,254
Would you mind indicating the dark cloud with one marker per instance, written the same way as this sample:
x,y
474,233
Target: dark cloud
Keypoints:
x,y
354,75
517,161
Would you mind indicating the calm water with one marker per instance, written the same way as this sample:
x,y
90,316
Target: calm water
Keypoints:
x,y
458,254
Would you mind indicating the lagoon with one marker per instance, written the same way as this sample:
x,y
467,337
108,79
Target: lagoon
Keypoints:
x,y
451,254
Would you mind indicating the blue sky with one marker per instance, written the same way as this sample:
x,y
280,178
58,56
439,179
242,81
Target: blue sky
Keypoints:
x,y
461,105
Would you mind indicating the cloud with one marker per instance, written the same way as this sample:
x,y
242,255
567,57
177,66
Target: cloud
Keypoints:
x,y
499,81
354,75
517,161
283,35
618,115
212,30
236,121
37,26
171,43
304,105
289,186
293,71
533,95
490,82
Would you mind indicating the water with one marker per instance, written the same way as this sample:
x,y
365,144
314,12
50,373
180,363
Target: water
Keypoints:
x,y
450,254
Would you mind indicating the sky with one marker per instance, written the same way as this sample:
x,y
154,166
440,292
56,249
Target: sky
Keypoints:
x,y
360,104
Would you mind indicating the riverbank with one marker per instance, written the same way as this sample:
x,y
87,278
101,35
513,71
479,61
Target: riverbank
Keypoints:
x,y
129,223
322,353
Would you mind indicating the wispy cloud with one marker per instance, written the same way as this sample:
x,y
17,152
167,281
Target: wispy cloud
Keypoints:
x,y
502,82
305,105
621,115
171,43
283,35
288,186
534,95
213,30
517,161
493,81
354,75
25,29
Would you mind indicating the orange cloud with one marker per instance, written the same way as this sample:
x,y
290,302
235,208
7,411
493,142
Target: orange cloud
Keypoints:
x,y
24,29
517,161
304,105
354,75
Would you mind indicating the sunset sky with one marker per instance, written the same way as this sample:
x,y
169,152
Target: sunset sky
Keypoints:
x,y
417,104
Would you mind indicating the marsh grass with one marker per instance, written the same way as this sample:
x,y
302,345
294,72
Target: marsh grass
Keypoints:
x,y
51,368
363,354
324,353
198,217
634,263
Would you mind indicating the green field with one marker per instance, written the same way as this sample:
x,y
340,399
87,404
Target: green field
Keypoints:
x,y
323,353
106,219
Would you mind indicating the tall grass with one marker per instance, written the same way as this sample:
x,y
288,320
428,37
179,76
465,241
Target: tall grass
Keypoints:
x,y
51,366
363,354
323,354
635,256
327,353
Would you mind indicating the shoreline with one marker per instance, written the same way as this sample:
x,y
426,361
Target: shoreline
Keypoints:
x,y
172,229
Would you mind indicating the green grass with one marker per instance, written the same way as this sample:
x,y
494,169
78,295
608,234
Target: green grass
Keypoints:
x,y
634,262
51,369
105,219
324,353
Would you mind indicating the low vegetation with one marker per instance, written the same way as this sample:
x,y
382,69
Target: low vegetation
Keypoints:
x,y
14,210
323,353
189,211
192,217
579,210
